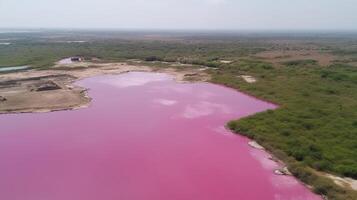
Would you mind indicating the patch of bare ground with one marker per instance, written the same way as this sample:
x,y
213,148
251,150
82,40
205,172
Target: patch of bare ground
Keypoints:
x,y
53,89
226,61
248,79
41,93
178,64
343,182
280,56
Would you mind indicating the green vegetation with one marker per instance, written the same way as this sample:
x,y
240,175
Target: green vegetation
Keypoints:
x,y
41,50
316,123
313,131
315,126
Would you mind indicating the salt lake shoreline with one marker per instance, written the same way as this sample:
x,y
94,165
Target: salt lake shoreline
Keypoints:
x,y
72,73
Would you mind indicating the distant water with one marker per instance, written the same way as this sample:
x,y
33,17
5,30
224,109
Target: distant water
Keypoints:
x,y
144,137
15,68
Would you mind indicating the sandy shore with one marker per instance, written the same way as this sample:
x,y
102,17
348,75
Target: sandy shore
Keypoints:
x,y
53,89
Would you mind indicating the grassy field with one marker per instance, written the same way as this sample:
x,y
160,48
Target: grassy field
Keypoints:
x,y
313,131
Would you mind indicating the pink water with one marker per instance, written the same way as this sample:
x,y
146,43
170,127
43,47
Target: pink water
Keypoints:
x,y
144,137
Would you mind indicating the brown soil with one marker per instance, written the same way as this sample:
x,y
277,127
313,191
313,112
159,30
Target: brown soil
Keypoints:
x,y
280,56
40,93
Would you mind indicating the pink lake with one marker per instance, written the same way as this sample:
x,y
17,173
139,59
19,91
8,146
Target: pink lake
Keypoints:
x,y
144,137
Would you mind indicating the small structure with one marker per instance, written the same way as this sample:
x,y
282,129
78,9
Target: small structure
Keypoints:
x,y
2,99
45,86
76,59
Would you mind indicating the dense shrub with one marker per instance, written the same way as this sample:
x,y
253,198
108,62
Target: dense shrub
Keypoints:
x,y
153,58
294,63
349,171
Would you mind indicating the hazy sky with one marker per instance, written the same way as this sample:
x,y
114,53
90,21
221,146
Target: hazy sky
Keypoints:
x,y
181,14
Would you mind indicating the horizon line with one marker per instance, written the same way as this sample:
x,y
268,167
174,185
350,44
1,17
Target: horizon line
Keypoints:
x,y
257,30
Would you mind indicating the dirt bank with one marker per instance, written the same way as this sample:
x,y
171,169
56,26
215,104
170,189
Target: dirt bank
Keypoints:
x,y
53,89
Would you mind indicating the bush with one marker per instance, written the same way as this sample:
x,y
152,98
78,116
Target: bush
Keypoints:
x,y
300,63
349,171
153,58
322,186
322,165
